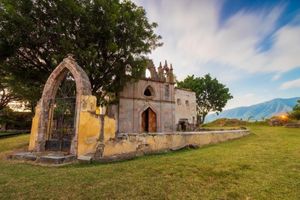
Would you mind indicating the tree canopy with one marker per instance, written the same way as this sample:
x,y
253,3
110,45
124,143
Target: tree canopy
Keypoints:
x,y
105,37
211,95
295,114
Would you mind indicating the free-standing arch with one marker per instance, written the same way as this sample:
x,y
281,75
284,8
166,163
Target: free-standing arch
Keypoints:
x,y
83,87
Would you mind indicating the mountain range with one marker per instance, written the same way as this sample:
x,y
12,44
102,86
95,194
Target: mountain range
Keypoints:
x,y
259,111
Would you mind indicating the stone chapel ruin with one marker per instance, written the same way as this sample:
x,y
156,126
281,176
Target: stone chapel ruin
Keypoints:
x,y
152,115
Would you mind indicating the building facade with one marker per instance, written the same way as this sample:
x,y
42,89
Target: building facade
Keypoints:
x,y
149,105
185,109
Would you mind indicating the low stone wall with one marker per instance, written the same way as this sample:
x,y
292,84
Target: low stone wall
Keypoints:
x,y
293,125
130,145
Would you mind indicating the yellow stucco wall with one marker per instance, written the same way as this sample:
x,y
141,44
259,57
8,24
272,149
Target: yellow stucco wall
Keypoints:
x,y
88,133
133,144
89,129
34,129
109,128
89,126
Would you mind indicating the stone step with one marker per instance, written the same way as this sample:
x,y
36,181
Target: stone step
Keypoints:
x,y
55,158
26,156
85,159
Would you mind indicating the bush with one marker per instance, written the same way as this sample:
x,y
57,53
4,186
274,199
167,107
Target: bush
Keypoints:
x,y
15,120
295,114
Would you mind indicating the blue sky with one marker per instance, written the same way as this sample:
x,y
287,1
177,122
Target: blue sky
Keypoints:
x,y
251,46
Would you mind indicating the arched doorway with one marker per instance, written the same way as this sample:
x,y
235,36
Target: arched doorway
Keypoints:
x,y
61,126
60,110
149,121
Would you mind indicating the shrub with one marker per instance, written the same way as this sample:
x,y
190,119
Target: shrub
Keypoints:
x,y
15,120
295,114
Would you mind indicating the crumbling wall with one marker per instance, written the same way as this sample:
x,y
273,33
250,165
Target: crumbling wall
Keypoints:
x,y
131,145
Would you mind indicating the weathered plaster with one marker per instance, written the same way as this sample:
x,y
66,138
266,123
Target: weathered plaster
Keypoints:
x,y
130,145
34,128
186,109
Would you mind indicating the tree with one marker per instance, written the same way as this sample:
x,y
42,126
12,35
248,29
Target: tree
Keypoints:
x,y
105,38
211,95
6,95
295,114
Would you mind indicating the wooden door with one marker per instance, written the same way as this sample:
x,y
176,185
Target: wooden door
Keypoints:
x,y
149,121
152,120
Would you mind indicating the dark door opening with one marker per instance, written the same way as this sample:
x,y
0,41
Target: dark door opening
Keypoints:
x,y
183,125
61,128
148,121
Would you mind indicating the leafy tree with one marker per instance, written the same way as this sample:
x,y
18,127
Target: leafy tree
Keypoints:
x,y
295,114
14,120
210,94
6,95
105,37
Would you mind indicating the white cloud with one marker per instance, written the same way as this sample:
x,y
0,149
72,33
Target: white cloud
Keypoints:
x,y
276,77
290,84
193,37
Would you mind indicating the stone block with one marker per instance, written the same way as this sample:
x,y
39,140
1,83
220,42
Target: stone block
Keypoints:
x,y
26,156
56,159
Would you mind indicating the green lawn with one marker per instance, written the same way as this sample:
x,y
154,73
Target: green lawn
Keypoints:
x,y
3,133
264,165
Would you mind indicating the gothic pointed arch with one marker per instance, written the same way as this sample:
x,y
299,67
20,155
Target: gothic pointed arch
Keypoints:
x,y
83,87
149,91
149,120
153,119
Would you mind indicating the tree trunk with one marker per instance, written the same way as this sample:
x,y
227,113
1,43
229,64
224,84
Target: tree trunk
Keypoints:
x,y
202,118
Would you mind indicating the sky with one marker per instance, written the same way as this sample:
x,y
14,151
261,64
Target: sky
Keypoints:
x,y
251,46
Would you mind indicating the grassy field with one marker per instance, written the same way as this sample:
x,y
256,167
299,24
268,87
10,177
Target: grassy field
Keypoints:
x,y
264,165
7,134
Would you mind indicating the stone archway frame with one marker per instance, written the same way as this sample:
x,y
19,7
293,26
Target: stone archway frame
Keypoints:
x,y
145,107
83,87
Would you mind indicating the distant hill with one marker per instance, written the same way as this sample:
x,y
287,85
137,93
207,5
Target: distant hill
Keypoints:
x,y
258,111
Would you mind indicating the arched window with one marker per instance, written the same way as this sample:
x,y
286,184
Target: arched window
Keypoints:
x,y
187,103
178,101
148,92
